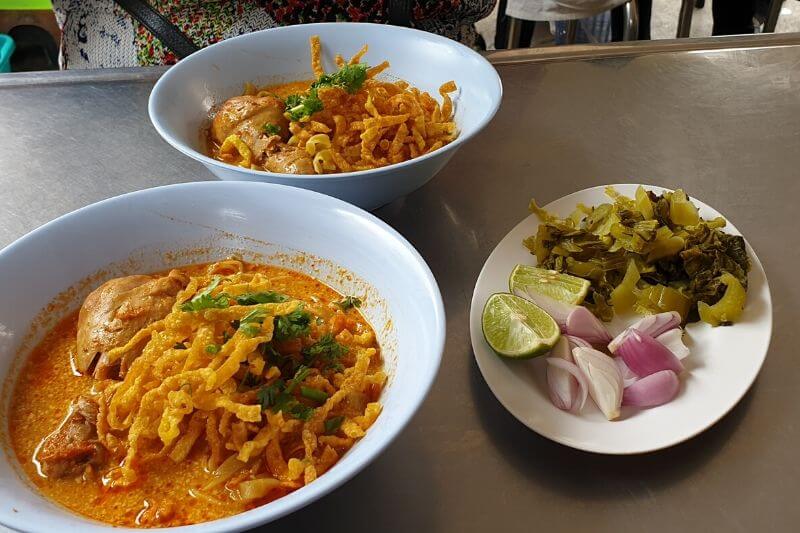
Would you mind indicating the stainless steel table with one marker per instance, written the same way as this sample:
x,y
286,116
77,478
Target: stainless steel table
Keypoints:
x,y
719,117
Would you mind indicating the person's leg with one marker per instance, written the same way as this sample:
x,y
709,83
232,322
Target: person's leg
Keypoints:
x,y
617,23
526,33
501,26
733,17
645,11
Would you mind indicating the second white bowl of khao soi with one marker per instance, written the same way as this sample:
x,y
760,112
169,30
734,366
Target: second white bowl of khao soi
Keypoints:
x,y
363,112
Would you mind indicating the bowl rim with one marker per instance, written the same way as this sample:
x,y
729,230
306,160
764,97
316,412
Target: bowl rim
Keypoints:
x,y
198,156
324,484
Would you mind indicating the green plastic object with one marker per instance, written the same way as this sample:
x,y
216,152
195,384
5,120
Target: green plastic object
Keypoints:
x,y
25,5
6,49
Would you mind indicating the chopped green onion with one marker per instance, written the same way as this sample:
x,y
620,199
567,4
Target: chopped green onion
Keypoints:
x,y
278,396
299,376
314,394
333,424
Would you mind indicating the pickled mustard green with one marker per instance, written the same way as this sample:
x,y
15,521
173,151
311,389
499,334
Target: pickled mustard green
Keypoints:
x,y
729,308
661,299
650,253
624,295
681,210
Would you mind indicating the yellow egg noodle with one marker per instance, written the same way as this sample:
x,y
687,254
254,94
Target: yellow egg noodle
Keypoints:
x,y
382,123
180,392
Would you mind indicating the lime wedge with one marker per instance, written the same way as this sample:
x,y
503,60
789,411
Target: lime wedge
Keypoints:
x,y
516,328
564,288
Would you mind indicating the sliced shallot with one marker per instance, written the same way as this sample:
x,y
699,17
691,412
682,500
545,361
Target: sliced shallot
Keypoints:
x,y
561,375
653,325
644,355
673,340
562,386
603,378
575,342
582,323
628,377
650,391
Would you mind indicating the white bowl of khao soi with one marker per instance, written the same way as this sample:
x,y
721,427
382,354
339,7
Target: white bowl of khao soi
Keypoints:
x,y
205,367
363,112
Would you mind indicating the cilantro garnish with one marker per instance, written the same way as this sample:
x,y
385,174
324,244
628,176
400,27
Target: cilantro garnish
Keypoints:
x,y
300,106
295,324
249,380
349,302
250,324
299,410
326,349
299,376
272,355
349,77
268,394
251,329
253,298
271,129
204,300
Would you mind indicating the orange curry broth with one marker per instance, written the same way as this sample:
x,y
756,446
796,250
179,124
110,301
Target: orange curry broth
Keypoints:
x,y
161,496
285,89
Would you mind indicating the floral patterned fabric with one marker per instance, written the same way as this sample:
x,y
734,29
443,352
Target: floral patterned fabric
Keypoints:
x,y
204,23
100,34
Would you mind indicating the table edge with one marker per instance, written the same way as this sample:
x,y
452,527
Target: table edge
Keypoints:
x,y
578,52
640,48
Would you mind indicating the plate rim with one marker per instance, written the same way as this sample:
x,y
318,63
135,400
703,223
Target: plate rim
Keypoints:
x,y
476,337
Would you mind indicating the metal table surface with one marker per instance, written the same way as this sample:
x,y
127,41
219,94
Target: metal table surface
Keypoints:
x,y
719,118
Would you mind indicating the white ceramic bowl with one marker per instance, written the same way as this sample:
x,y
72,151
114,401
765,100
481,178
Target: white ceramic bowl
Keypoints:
x,y
181,100
168,226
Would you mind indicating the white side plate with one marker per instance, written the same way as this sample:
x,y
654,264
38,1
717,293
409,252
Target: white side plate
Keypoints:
x,y
723,364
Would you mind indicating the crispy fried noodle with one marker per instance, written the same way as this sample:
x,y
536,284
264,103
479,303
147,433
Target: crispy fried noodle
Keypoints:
x,y
191,384
345,121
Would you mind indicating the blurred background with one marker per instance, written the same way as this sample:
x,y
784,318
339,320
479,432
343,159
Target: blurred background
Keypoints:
x,y
30,37
665,18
